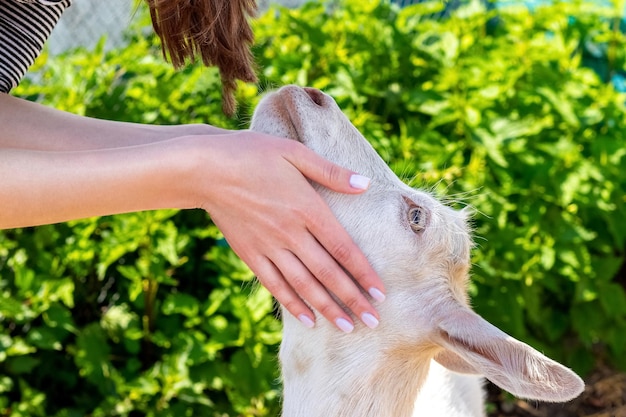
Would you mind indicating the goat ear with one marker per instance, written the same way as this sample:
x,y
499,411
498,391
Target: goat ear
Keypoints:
x,y
473,345
455,363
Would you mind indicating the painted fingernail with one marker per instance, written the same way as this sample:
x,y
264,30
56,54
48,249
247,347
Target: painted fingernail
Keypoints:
x,y
359,182
377,294
344,325
306,320
369,320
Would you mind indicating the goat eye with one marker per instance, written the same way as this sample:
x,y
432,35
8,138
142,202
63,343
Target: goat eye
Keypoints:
x,y
417,219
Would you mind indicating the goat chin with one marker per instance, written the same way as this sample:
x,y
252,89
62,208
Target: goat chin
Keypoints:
x,y
430,352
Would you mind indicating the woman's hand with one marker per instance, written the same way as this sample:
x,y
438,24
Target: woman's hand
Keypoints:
x,y
257,193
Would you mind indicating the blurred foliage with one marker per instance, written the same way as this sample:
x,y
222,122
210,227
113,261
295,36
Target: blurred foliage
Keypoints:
x,y
152,314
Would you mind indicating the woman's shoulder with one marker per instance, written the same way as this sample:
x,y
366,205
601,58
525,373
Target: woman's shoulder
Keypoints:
x,y
43,2
30,7
25,25
37,5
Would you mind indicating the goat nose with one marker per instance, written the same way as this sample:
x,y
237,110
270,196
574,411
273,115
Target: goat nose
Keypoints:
x,y
316,95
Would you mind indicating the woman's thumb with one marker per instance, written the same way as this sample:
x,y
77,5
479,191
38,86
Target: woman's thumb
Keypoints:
x,y
329,174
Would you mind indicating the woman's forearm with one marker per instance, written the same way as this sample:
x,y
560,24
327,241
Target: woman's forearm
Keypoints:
x,y
28,125
40,187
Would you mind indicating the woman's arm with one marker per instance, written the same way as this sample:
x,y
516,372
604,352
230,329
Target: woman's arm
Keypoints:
x,y
28,125
42,187
254,187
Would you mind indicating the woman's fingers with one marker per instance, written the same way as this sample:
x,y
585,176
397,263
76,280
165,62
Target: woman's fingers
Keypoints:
x,y
272,279
326,269
326,173
307,269
324,226
295,275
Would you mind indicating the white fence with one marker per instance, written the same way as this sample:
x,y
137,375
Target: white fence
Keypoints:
x,y
86,21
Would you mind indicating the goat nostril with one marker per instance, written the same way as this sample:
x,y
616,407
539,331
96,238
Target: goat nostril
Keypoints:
x,y
316,95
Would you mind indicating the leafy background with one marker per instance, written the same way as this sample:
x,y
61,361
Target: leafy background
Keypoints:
x,y
151,314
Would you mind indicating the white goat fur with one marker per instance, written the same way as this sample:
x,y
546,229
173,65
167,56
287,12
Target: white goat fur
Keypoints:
x,y
412,364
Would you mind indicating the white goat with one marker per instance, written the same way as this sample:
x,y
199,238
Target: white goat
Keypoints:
x,y
412,364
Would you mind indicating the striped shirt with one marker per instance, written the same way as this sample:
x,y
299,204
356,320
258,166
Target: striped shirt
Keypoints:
x,y
25,25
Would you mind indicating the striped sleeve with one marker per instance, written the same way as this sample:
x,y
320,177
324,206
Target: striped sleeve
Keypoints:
x,y
24,28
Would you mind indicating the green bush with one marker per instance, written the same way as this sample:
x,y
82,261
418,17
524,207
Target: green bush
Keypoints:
x,y
152,314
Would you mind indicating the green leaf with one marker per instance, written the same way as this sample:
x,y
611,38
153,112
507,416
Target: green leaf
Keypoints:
x,y
613,299
46,338
22,364
58,316
180,303
92,357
